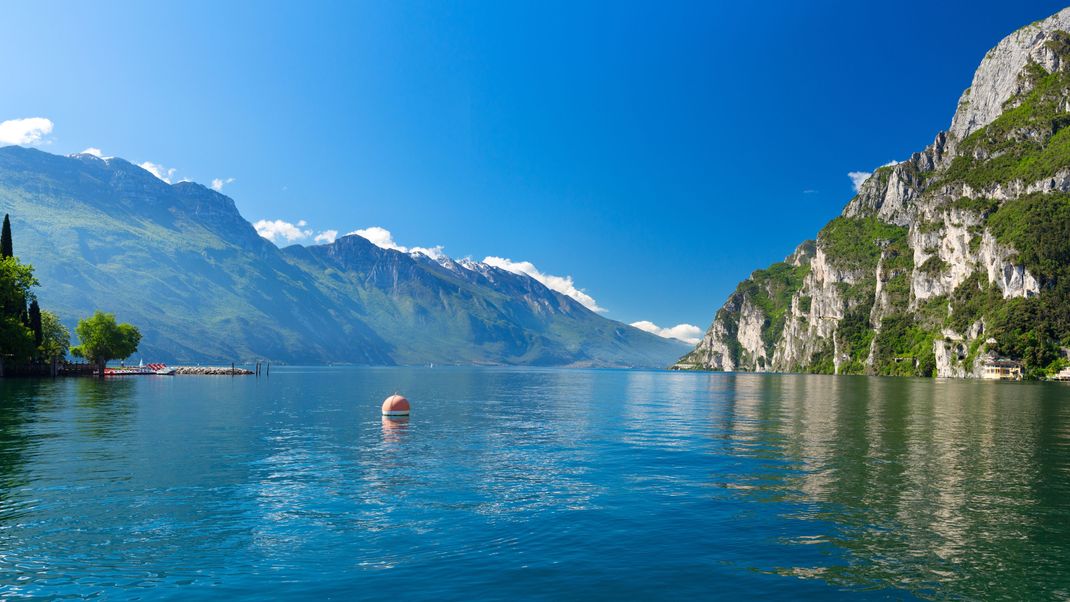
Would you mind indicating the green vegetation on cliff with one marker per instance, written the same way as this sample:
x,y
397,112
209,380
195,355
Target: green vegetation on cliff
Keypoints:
x,y
874,249
1029,141
858,242
904,347
771,290
1037,226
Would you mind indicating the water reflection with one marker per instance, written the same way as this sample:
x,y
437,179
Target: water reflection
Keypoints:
x,y
106,406
929,485
19,399
394,428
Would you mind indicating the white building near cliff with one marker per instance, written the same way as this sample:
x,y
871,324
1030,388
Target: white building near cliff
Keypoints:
x,y
1001,369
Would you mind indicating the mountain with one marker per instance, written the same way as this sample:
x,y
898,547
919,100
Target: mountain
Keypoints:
x,y
958,255
181,262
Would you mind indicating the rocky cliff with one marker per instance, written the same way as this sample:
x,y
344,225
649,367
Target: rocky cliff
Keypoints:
x,y
959,254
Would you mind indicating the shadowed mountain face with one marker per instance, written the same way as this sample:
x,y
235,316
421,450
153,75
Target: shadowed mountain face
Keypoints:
x,y
180,262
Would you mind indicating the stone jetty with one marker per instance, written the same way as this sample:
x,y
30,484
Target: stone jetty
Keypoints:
x,y
211,370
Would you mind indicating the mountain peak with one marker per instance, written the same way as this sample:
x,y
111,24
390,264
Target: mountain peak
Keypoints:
x,y
998,78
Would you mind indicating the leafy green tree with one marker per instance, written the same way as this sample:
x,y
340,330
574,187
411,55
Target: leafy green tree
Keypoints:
x,y
55,340
16,339
102,339
6,249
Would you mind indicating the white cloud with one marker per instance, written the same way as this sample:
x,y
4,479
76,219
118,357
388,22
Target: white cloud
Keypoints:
x,y
31,130
164,173
279,230
384,239
282,231
434,252
688,333
380,237
92,150
561,284
219,183
859,177
326,237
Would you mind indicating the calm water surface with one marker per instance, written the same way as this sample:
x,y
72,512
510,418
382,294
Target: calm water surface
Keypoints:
x,y
533,484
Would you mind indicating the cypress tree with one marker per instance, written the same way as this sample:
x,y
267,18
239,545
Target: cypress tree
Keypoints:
x,y
6,249
35,323
11,308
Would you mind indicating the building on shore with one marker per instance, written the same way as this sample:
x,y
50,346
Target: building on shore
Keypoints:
x,y
1001,369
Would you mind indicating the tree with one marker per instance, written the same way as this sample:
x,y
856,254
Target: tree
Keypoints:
x,y
102,339
16,339
13,302
35,322
55,340
6,248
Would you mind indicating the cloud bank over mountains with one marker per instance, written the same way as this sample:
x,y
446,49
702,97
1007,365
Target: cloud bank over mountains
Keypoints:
x,y
282,231
561,284
688,333
381,237
28,131
164,173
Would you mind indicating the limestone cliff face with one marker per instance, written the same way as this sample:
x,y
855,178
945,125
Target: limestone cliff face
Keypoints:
x,y
921,272
997,79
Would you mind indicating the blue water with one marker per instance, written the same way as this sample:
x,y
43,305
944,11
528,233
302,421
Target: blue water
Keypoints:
x,y
533,484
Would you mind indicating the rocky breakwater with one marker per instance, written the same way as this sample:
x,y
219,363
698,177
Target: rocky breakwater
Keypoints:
x,y
212,370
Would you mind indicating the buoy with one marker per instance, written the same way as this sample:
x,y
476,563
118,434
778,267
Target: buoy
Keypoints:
x,y
396,405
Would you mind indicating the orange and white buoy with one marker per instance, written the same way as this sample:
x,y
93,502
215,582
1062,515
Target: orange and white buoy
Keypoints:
x,y
396,405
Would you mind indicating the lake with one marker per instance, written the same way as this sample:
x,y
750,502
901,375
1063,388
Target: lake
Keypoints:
x,y
533,484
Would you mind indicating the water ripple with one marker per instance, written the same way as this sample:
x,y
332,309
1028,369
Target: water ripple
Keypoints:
x,y
533,484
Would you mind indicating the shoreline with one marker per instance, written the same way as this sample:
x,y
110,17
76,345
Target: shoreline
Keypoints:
x,y
211,371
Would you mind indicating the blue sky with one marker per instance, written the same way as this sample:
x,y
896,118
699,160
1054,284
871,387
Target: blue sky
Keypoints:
x,y
656,153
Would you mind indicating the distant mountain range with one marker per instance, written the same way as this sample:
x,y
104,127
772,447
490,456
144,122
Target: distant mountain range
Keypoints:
x,y
180,262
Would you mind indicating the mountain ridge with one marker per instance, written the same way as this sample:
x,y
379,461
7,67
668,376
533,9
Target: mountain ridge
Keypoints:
x,y
180,261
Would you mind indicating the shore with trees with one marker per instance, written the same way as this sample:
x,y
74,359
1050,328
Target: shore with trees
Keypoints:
x,y
35,342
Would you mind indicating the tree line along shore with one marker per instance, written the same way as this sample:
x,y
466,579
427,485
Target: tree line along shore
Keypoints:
x,y
35,342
